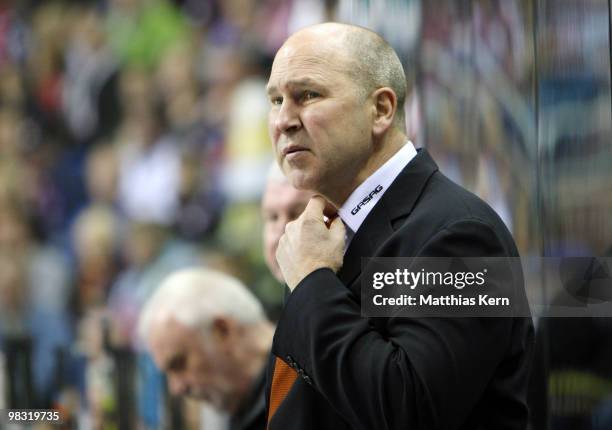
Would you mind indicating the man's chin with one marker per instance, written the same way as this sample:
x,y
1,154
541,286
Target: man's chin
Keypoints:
x,y
301,180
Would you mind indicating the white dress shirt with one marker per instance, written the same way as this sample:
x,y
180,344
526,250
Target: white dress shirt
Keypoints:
x,y
361,201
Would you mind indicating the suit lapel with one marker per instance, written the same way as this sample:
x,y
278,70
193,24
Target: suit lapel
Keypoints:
x,y
397,202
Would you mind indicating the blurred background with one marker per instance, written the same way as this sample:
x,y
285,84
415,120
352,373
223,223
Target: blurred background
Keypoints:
x,y
133,142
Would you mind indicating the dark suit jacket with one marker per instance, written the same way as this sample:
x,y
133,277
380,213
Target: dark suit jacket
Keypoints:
x,y
405,373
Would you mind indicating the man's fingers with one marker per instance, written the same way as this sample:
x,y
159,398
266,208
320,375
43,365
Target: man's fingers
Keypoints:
x,y
330,211
337,229
315,207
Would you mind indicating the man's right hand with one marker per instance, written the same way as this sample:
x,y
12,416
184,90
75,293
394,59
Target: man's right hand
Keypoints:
x,y
309,244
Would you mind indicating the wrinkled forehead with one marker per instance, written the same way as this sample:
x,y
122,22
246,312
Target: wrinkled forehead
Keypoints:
x,y
309,56
168,336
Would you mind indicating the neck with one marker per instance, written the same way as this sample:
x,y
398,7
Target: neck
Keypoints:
x,y
382,152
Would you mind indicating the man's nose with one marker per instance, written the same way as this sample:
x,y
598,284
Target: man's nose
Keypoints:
x,y
287,119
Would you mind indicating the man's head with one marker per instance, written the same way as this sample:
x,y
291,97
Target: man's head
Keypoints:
x,y
208,333
281,204
337,93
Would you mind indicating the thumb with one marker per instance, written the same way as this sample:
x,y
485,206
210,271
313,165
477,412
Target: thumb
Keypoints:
x,y
337,230
314,208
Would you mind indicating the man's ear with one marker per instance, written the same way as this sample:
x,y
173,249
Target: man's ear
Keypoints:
x,y
385,106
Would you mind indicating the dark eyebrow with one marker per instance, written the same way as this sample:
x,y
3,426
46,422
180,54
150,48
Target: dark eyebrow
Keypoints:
x,y
270,90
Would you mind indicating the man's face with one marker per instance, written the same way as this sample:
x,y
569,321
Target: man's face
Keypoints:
x,y
194,367
320,123
280,205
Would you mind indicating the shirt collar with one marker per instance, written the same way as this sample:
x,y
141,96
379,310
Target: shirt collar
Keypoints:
x,y
359,204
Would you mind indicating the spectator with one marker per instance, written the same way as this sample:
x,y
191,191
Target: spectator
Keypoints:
x,y
210,336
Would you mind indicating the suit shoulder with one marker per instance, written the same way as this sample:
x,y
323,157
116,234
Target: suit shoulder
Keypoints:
x,y
450,202
446,206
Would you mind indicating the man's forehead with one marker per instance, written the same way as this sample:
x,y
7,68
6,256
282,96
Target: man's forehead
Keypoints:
x,y
306,60
168,337
320,35
307,57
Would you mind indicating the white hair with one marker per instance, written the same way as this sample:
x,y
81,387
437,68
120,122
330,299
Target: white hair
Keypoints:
x,y
195,297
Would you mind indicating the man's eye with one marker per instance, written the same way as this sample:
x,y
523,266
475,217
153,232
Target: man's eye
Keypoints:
x,y
270,217
277,101
309,95
177,363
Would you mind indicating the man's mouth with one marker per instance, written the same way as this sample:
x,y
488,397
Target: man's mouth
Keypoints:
x,y
292,149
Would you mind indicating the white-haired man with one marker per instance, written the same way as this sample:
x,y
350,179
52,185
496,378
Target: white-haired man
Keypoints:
x,y
210,336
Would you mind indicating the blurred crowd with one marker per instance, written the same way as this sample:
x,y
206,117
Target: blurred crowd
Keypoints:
x,y
133,142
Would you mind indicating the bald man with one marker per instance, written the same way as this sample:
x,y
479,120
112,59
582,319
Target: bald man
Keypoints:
x,y
336,122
